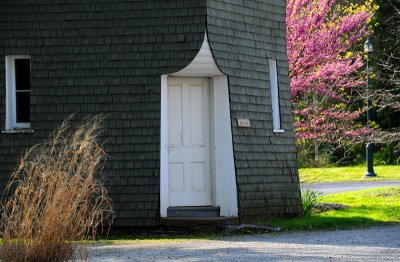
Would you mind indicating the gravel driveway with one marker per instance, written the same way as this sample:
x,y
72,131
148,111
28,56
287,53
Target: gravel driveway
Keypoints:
x,y
371,244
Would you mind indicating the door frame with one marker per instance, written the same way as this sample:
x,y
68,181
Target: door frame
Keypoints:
x,y
223,177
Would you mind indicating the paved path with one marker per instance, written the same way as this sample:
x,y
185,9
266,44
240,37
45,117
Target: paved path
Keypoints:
x,y
372,244
331,188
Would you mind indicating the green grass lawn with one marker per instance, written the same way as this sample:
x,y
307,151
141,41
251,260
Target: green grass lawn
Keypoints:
x,y
367,208
347,174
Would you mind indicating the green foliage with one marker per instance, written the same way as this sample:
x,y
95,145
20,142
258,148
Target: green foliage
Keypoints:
x,y
309,199
346,155
306,156
329,155
387,155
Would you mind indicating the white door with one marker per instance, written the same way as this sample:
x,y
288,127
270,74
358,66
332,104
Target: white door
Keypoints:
x,y
189,142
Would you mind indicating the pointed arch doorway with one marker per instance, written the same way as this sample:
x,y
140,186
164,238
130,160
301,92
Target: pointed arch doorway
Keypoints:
x,y
197,166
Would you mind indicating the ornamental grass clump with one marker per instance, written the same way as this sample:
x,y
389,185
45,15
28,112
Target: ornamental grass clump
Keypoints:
x,y
55,198
309,199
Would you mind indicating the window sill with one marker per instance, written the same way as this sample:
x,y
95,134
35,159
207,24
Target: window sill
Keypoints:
x,y
279,131
18,131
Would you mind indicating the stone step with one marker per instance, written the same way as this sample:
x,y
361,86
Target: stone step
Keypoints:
x,y
193,212
209,224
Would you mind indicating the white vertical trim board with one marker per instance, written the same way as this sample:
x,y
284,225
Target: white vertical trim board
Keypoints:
x,y
11,114
212,143
273,72
164,181
225,177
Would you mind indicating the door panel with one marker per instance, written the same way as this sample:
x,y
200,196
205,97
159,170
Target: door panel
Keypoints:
x,y
197,132
198,179
177,177
189,142
175,110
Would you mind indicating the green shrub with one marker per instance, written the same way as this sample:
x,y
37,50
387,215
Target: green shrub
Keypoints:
x,y
386,155
309,199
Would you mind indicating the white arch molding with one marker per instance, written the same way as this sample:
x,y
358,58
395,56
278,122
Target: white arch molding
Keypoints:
x,y
223,177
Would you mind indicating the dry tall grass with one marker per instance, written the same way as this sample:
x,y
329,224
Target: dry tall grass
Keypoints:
x,y
57,198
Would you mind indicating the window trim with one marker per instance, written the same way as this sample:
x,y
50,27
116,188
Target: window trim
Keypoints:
x,y
11,108
275,103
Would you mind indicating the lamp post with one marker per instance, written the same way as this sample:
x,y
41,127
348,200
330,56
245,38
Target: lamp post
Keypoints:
x,y
369,48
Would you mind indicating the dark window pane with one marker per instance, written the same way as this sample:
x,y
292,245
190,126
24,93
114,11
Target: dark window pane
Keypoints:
x,y
23,107
22,74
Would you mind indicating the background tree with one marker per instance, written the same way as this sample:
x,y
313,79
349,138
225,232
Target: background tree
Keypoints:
x,y
322,36
386,87
387,38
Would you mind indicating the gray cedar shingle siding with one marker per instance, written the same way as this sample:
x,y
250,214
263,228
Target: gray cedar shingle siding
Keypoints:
x,y
107,56
243,35
93,56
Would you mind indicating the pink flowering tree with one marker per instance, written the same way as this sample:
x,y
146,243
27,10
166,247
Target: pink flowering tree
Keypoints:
x,y
322,39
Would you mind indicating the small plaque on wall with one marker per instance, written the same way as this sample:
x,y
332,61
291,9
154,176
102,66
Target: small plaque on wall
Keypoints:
x,y
243,122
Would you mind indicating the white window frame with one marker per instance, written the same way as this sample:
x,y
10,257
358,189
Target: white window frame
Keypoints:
x,y
11,109
276,112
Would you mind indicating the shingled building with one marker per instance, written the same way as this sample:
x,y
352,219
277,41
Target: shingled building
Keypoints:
x,y
196,92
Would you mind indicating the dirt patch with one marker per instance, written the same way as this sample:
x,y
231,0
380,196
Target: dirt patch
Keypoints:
x,y
325,207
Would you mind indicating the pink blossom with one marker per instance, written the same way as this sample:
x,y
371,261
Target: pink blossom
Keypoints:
x,y
323,71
